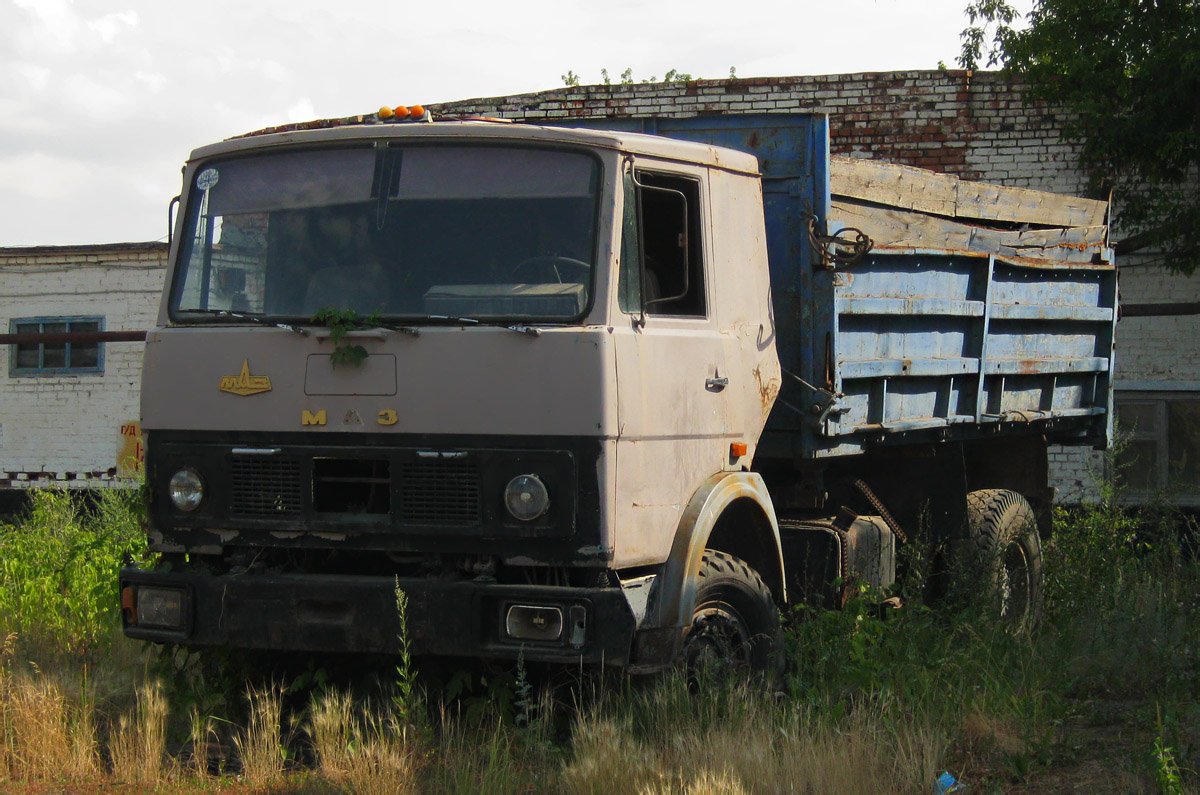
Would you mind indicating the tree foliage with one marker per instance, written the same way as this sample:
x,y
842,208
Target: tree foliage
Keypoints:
x,y
1128,74
986,16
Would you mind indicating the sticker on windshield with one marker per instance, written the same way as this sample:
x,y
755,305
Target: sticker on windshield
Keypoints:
x,y
207,178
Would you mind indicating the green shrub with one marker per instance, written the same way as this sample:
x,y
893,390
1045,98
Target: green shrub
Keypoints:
x,y
59,564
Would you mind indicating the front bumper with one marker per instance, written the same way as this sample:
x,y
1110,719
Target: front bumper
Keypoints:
x,y
358,614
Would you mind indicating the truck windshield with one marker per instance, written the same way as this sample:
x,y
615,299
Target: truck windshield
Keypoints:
x,y
427,231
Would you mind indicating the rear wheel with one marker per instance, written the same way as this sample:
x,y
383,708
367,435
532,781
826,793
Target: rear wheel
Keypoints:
x,y
735,623
1006,555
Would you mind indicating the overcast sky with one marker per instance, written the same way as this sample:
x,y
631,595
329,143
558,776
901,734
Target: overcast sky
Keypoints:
x,y
102,100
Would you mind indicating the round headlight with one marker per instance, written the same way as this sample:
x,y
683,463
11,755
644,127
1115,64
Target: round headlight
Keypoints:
x,y
526,497
187,489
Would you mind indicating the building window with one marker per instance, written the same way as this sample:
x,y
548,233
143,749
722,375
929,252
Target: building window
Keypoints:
x,y
1159,450
56,358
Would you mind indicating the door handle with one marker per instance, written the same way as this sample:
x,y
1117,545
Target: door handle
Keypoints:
x,y
717,383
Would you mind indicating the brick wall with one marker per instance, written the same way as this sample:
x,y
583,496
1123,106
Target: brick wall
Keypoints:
x,y
67,428
1164,350
973,125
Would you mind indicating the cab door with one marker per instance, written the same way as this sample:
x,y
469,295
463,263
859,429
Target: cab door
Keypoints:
x,y
673,383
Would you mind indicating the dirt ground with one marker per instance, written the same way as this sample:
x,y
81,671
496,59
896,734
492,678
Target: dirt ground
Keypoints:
x,y
1102,745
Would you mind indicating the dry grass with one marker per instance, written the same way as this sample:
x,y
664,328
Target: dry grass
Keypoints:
x,y
202,734
388,760
138,745
642,739
44,735
333,733
260,745
47,737
361,751
7,738
984,734
745,742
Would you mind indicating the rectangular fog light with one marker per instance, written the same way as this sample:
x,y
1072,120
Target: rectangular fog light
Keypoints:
x,y
534,622
160,607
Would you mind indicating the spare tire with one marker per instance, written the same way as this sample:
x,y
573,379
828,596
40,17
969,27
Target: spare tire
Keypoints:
x,y
1005,555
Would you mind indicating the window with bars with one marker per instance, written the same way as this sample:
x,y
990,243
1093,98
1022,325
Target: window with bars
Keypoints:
x,y
1159,451
56,358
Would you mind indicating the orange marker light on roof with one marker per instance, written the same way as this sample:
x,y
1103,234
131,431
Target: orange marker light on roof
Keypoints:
x,y
417,111
386,113
401,112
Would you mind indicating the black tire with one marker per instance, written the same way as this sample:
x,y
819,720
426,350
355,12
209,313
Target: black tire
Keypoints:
x,y
1006,556
735,626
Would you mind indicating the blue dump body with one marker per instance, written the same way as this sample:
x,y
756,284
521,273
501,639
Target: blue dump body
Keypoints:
x,y
911,345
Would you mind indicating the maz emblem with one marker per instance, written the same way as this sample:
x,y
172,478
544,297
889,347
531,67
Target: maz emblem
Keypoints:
x,y
244,383
321,417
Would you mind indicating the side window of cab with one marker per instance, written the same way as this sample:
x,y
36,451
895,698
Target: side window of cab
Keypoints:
x,y
662,264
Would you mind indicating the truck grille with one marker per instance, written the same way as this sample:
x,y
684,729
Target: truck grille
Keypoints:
x,y
265,486
428,492
439,492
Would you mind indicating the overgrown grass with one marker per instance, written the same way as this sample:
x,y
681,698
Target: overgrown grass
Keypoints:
x,y
872,701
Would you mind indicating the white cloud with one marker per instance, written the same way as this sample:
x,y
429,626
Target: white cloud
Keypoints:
x,y
96,98
301,110
50,26
33,76
109,26
272,70
153,81
41,176
100,102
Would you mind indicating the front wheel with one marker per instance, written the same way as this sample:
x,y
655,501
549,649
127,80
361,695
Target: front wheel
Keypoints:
x,y
1007,555
735,623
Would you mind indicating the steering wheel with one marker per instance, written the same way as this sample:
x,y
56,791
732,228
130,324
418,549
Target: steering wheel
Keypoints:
x,y
560,265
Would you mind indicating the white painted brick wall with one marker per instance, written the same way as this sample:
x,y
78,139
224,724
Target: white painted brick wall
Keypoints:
x,y
67,427
1158,348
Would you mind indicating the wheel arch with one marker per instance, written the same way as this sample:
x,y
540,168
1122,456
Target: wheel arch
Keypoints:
x,y
716,518
1020,464
760,548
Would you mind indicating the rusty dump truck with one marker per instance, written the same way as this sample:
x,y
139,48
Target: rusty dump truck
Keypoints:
x,y
615,393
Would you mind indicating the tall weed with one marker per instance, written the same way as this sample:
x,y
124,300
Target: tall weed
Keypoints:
x,y
1124,601
59,565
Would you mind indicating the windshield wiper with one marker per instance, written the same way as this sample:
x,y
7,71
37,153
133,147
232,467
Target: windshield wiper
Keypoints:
x,y
262,321
409,330
470,321
530,330
253,318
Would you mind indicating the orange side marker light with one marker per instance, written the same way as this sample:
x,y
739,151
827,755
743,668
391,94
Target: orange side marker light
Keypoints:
x,y
129,604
